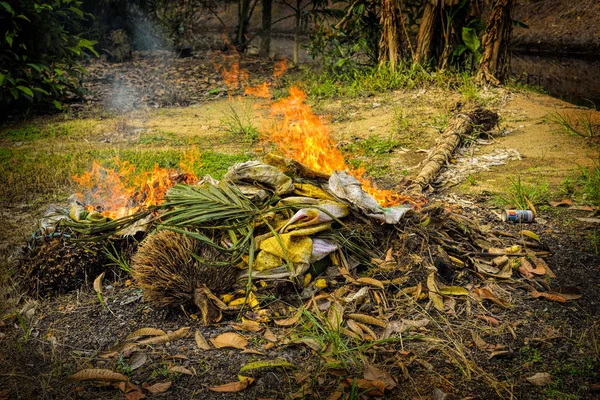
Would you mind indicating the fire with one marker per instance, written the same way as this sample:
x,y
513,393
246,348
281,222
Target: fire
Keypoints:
x,y
229,68
119,192
279,68
304,137
259,91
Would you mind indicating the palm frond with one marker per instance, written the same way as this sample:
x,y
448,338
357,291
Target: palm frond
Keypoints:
x,y
207,207
97,231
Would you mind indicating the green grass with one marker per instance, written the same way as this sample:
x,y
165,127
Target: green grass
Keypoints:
x,y
45,176
583,126
373,145
239,123
589,180
517,193
53,130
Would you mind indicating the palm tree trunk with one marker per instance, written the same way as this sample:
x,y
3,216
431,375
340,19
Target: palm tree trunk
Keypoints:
x,y
390,41
495,61
427,31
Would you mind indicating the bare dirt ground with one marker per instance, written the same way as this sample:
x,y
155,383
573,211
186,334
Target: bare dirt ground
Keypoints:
x,y
47,340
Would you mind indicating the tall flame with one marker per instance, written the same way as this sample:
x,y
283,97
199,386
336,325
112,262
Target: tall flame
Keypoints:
x,y
120,192
304,137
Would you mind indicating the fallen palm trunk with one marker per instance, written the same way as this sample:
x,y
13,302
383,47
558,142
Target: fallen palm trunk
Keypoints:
x,y
461,126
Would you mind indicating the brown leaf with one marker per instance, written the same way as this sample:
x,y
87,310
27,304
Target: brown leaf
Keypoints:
x,y
549,296
482,344
355,328
371,388
540,379
180,370
562,203
201,341
268,335
137,360
540,263
373,373
367,319
251,326
568,292
145,332
434,296
169,337
335,316
370,282
289,321
157,388
537,270
402,326
310,342
230,339
98,283
233,387
491,320
96,374
487,294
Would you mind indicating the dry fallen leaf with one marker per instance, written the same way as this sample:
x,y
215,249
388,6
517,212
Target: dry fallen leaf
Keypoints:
x,y
367,319
487,294
402,326
97,374
201,341
548,295
434,296
230,339
267,364
145,332
373,373
540,379
159,387
268,335
233,387
137,360
98,283
181,370
289,321
531,235
491,320
251,326
169,337
370,282
370,388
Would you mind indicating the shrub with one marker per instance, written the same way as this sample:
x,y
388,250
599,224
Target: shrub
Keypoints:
x,y
40,50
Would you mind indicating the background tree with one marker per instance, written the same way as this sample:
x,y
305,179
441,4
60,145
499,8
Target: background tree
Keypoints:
x,y
40,50
495,61
265,42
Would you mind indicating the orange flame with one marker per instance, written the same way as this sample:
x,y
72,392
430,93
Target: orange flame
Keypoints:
x,y
259,91
304,137
119,193
229,68
279,68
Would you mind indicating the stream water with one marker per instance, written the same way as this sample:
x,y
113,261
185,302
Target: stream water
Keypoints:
x,y
576,80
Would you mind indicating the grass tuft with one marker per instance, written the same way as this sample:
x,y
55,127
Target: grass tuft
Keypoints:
x,y
518,193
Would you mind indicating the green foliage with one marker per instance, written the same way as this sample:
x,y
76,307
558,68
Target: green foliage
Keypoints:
x,y
239,123
517,193
40,49
584,126
374,145
589,179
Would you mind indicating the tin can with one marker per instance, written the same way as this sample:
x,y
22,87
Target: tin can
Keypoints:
x,y
525,216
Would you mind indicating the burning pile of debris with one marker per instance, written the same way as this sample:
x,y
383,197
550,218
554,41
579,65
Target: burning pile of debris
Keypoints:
x,y
297,222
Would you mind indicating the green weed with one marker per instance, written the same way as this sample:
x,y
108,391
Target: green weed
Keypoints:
x,y
118,259
239,123
583,126
374,145
589,180
517,193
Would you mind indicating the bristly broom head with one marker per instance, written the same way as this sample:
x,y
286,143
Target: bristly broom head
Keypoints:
x,y
175,270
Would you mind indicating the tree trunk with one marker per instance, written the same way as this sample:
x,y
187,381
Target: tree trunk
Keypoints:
x,y
495,61
427,31
390,41
460,126
298,11
242,28
265,42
